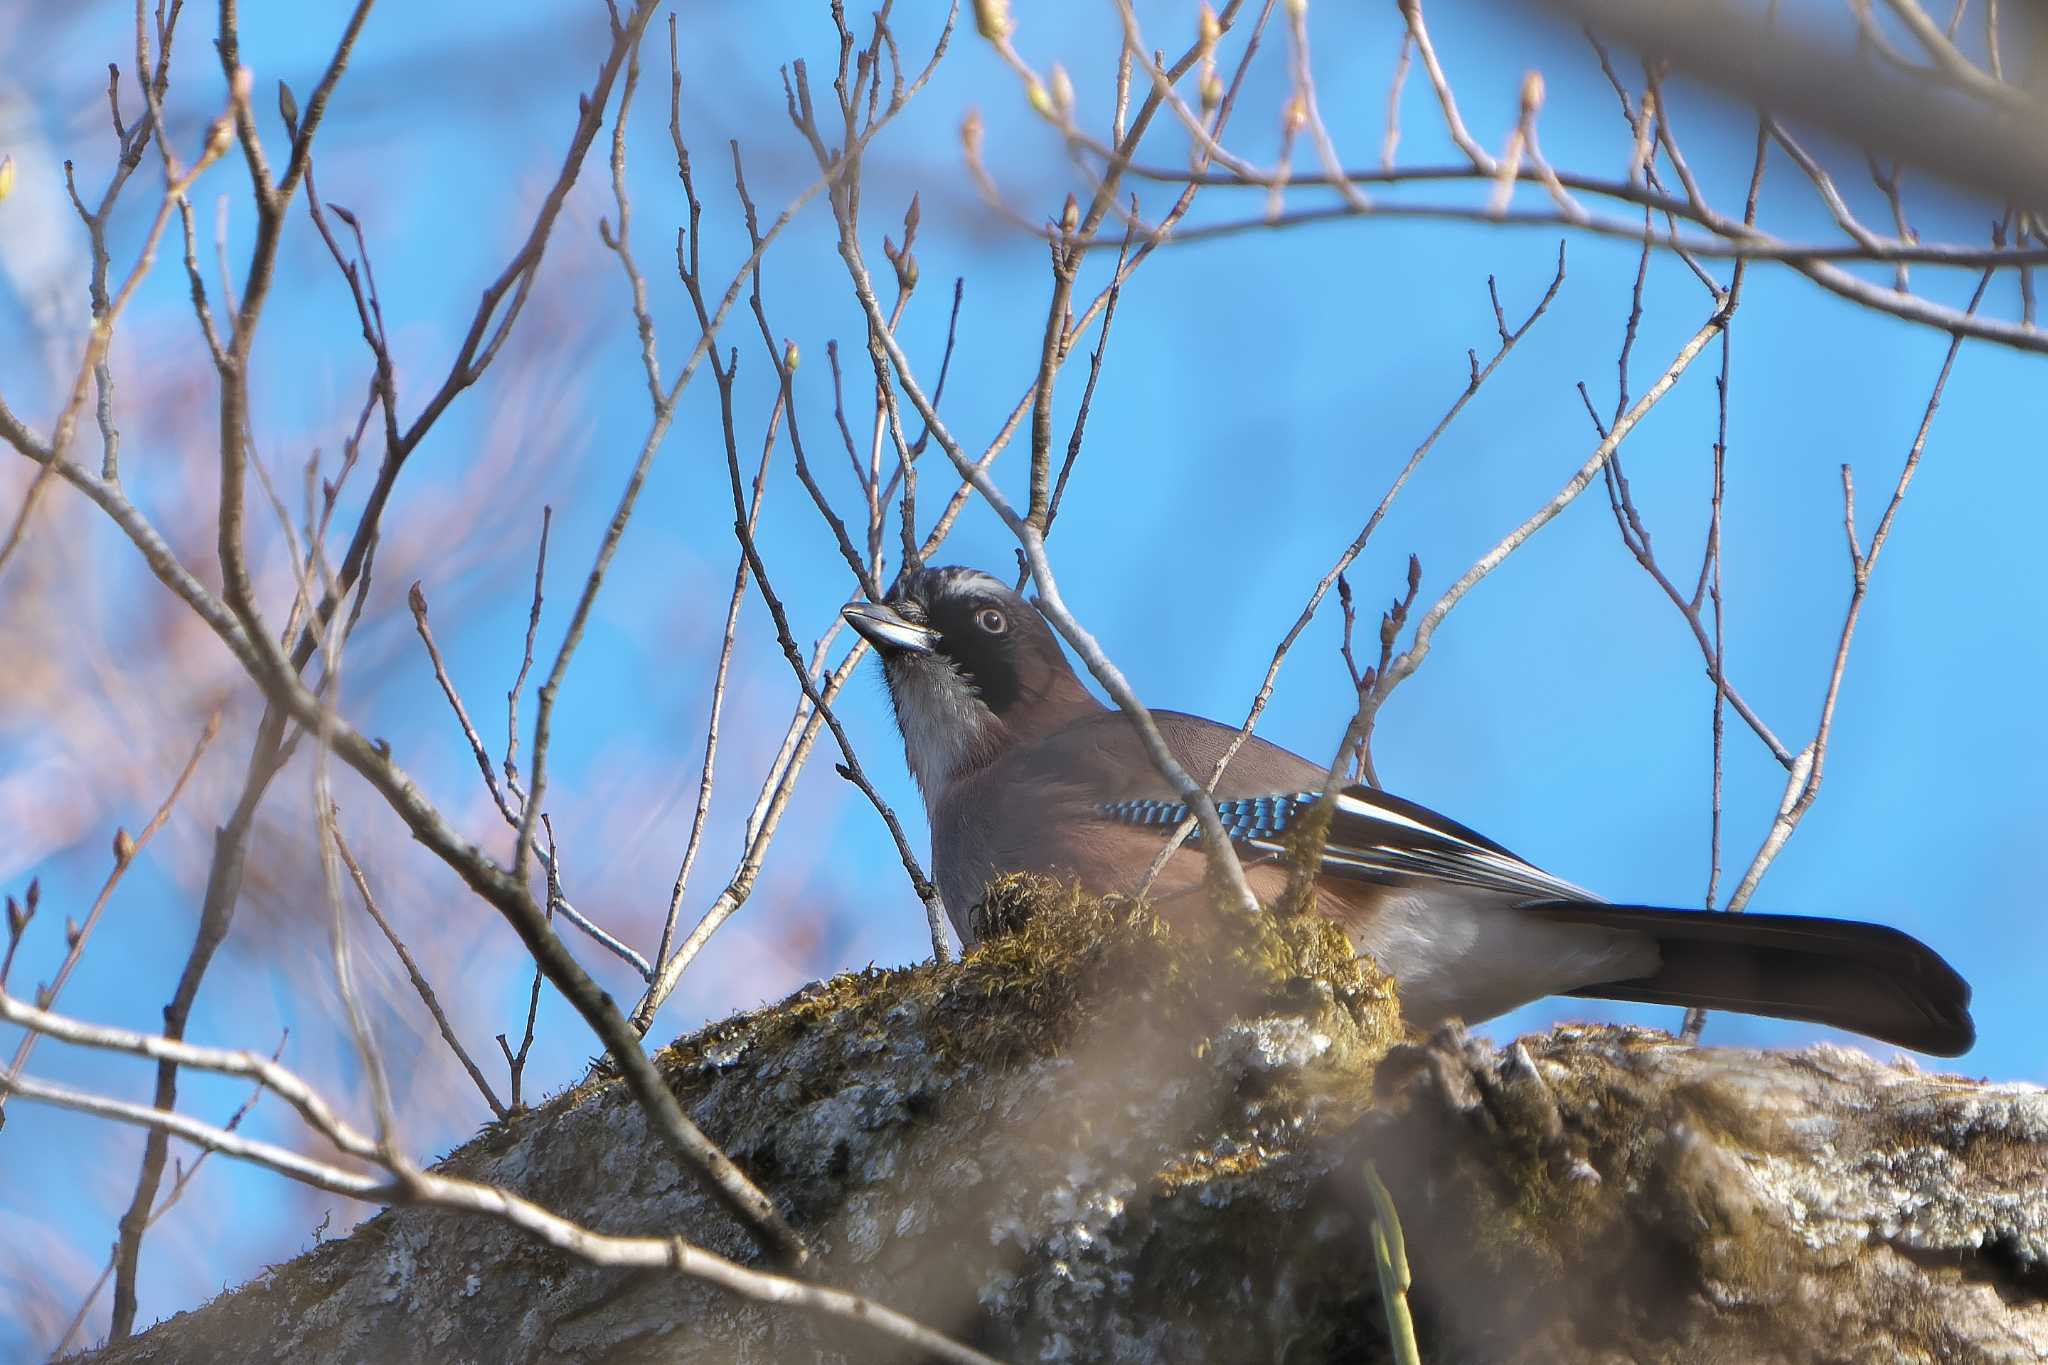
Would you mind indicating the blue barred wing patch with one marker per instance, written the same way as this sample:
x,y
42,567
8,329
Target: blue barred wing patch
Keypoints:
x,y
1373,837
1249,819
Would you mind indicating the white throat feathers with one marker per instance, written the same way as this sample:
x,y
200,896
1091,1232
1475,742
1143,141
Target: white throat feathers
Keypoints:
x,y
944,724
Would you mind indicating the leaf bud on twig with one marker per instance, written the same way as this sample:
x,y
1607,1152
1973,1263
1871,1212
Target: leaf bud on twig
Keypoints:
x,y
1062,90
992,19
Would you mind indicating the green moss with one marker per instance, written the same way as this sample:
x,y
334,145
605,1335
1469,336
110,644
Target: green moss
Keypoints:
x,y
1061,951
1057,964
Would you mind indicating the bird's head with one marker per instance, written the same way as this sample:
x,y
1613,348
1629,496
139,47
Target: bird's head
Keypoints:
x,y
971,667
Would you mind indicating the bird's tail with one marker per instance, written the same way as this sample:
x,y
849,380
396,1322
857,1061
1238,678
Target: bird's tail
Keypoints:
x,y
1863,977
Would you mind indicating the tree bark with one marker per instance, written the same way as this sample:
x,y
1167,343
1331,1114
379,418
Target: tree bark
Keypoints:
x,y
1102,1139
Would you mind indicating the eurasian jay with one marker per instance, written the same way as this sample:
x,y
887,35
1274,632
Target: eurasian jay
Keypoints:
x,y
1023,770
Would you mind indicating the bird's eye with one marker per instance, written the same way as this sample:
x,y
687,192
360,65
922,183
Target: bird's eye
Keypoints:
x,y
992,621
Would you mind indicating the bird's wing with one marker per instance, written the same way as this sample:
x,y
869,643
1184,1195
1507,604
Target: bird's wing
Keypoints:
x,y
1373,837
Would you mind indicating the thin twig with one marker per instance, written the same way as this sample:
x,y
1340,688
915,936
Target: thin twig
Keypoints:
x,y
540,570
1059,488
417,600
126,849
91,367
664,406
1394,87
558,901
327,832
515,1062
1302,76
1803,786
850,769
762,824
1478,377
1222,855
806,721
718,679
1404,664
412,970
1418,34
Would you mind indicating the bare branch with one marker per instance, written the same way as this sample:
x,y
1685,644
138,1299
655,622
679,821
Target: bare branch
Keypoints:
x,y
171,1197
405,1185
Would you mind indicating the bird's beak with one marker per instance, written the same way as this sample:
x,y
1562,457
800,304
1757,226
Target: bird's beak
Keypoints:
x,y
888,632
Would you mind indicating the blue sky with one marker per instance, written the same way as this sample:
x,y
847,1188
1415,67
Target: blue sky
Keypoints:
x,y
1258,394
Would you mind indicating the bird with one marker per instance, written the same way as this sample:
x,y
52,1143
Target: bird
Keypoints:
x,y
1023,770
